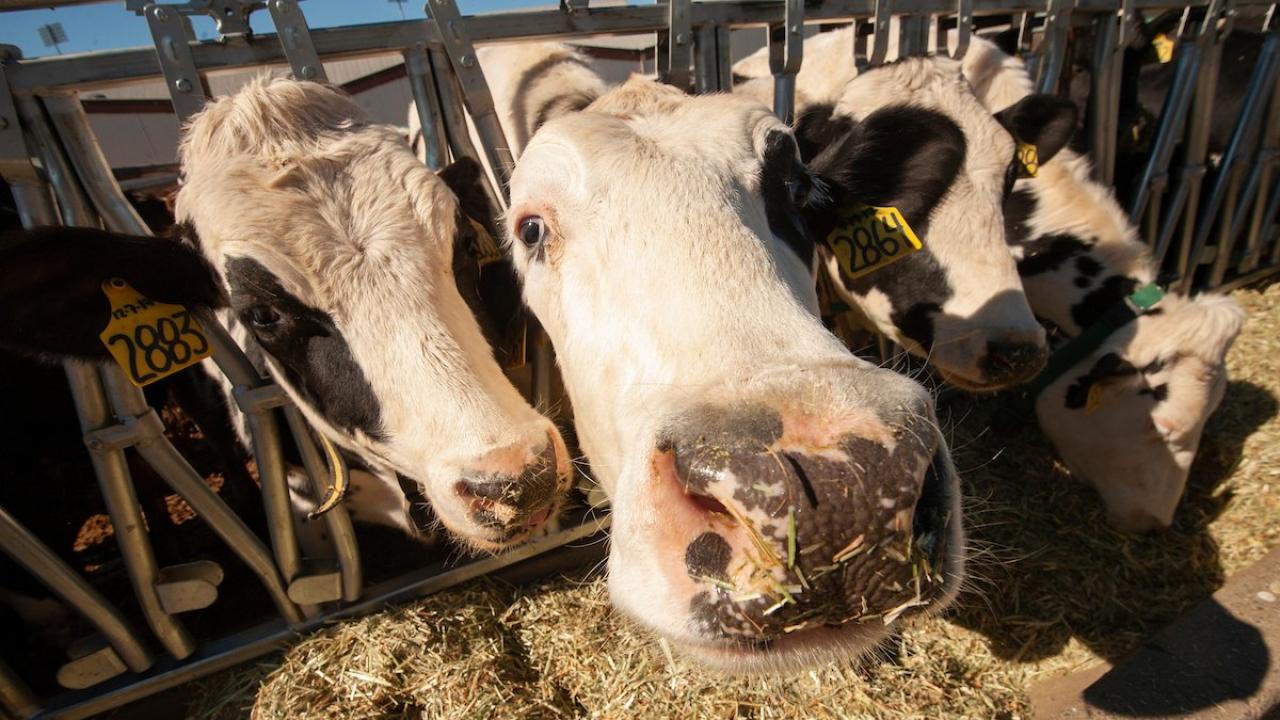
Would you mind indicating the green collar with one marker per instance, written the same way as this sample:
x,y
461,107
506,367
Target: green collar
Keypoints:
x,y
1079,347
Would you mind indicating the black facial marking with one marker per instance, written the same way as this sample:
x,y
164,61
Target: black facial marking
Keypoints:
x,y
1048,253
1111,291
1108,367
1088,266
1018,209
900,156
309,348
917,322
1082,282
708,557
780,168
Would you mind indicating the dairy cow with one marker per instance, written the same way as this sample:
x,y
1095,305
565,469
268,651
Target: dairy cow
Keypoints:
x,y
328,251
911,135
1129,417
776,501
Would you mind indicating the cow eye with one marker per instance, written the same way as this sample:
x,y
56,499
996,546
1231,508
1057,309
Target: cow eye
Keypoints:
x,y
263,316
533,230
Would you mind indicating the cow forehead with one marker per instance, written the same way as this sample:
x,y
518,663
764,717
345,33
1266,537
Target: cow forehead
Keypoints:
x,y
326,226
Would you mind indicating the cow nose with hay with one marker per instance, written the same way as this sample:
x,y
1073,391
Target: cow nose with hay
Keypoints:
x,y
512,491
806,527
1013,361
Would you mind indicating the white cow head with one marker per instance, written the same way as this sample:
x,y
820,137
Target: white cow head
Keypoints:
x,y
1128,419
775,499
911,135
333,248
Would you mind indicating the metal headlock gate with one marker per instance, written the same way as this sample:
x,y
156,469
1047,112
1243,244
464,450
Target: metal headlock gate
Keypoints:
x,y
1215,225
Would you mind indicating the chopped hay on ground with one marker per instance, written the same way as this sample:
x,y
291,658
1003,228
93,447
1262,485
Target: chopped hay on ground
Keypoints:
x,y
1053,590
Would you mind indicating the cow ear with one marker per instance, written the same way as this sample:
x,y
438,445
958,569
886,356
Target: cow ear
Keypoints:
x,y
51,298
817,128
897,156
1046,121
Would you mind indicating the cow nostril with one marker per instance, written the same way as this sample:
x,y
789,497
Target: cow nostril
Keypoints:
x,y
707,504
1011,361
929,520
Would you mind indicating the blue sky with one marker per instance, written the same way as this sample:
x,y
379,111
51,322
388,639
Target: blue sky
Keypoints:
x,y
108,25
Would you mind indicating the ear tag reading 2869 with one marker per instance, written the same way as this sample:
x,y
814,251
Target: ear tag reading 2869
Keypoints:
x,y
1028,160
150,340
869,238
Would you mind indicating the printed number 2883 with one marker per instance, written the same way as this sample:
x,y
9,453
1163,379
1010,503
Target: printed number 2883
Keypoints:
x,y
156,348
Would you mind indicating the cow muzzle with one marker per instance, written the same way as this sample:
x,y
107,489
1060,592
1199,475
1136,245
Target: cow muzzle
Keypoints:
x,y
505,496
793,527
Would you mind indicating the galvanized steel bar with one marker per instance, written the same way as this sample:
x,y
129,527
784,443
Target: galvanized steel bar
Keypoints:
x,y
173,50
20,544
187,483
475,90
786,52
454,119
677,48
1168,131
1053,45
295,39
1196,148
1259,184
1226,183
706,64
724,57
427,105
337,520
258,405
964,29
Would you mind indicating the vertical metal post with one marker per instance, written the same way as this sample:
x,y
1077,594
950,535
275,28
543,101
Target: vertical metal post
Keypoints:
x,y
674,67
1225,189
786,51
724,57
295,38
427,105
1053,45
1197,145
1112,36
706,66
964,30
1259,184
879,40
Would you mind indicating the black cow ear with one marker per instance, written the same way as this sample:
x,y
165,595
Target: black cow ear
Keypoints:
x,y
817,128
51,299
465,177
1046,121
898,156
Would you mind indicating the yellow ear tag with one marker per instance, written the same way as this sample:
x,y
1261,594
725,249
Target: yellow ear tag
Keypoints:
x,y
1164,47
868,238
486,248
1028,159
1094,399
150,340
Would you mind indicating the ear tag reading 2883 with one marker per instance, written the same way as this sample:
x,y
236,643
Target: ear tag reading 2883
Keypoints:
x,y
150,340
869,238
1028,160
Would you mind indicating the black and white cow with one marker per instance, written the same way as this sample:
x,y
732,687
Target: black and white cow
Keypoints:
x,y
329,251
910,134
1128,419
776,500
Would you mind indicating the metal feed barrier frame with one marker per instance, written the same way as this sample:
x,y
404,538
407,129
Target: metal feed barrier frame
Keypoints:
x,y
58,174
